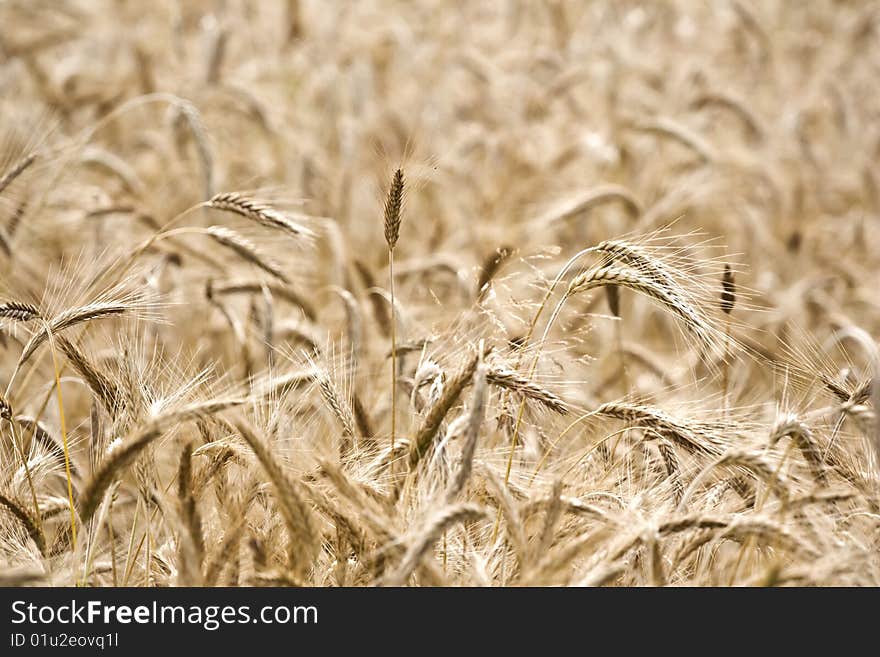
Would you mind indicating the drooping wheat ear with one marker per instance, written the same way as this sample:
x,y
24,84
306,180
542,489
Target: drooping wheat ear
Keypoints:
x,y
303,535
103,387
277,385
189,511
353,327
652,268
15,219
740,529
377,303
510,380
431,531
668,129
570,504
757,466
200,137
693,438
246,250
370,506
820,497
131,446
790,426
472,433
490,267
734,106
220,555
70,318
18,311
258,212
121,456
642,261
431,424
6,413
743,460
286,292
16,171
555,506
27,521
112,164
584,201
393,207
508,509
694,320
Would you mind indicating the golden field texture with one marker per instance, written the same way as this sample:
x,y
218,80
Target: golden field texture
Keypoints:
x,y
439,293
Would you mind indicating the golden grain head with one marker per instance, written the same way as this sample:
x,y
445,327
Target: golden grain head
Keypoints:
x,y
619,327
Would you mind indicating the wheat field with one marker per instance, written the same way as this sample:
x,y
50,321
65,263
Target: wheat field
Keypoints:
x,y
439,293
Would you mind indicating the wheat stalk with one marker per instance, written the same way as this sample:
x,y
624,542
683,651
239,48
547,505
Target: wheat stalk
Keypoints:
x,y
392,219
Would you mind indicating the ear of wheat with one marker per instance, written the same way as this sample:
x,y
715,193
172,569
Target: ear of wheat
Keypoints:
x,y
393,208
258,212
246,250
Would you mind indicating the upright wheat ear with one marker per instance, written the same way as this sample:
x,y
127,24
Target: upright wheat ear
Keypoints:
x,y
393,207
